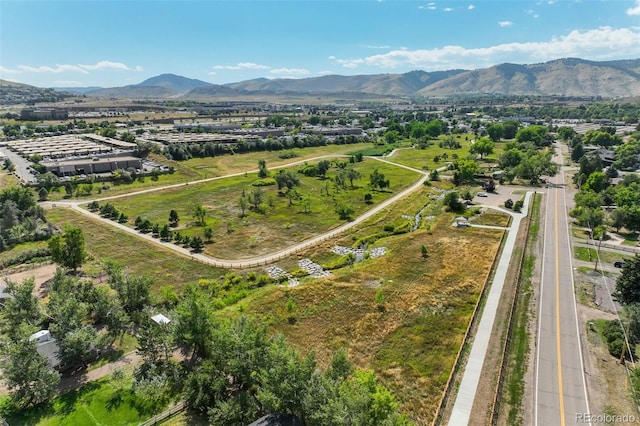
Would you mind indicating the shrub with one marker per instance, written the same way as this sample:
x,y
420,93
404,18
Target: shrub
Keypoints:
x,y
612,333
264,182
402,228
27,256
517,207
347,259
389,227
508,203
287,154
369,239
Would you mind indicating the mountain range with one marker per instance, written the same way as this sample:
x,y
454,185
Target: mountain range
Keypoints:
x,y
561,77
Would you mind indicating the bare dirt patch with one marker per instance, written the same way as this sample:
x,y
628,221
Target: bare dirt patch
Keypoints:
x,y
40,274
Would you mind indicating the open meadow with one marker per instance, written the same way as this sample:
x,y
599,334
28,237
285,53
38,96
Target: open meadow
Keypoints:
x,y
208,167
274,223
138,257
402,315
424,159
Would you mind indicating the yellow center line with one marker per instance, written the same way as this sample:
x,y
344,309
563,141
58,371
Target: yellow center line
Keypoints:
x,y
559,354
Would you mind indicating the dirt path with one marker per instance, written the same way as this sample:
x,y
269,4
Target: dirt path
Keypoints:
x,y
69,383
40,274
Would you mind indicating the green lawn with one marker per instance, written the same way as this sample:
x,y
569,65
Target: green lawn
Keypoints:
x,y
229,164
278,224
96,403
589,255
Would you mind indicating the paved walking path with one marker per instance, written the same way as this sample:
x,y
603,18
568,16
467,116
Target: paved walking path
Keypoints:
x,y
467,391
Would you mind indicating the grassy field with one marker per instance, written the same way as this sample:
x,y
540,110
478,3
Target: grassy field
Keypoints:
x,y
278,224
202,168
412,338
228,164
139,257
7,180
424,158
493,218
95,403
590,255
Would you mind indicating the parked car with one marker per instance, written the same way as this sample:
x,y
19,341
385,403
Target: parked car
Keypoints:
x,y
618,263
482,194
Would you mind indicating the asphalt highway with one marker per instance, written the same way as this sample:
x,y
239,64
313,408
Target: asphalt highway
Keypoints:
x,y
560,388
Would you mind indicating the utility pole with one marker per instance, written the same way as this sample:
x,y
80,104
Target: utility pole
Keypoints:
x,y
624,346
598,253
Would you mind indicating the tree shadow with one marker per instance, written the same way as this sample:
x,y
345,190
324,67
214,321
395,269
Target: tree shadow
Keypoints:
x,y
117,399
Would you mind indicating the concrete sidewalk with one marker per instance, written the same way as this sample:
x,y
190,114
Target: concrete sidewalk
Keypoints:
x,y
467,391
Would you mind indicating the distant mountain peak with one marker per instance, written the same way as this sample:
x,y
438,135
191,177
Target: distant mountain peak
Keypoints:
x,y
173,82
559,77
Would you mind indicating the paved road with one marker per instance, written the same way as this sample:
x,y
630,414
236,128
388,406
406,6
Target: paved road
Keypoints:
x,y
251,262
461,413
560,387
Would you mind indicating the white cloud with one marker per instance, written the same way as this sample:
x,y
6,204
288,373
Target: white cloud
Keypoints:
x,y
212,73
290,72
57,69
102,65
4,70
326,72
139,68
60,68
375,47
430,6
242,66
504,24
332,58
597,44
634,10
448,9
471,7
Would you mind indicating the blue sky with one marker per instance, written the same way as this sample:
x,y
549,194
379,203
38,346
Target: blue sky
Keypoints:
x,y
52,43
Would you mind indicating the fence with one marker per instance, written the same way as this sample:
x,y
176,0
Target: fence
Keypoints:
x,y
171,411
465,341
495,408
621,247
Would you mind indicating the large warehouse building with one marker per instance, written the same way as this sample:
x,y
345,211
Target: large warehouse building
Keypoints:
x,y
92,165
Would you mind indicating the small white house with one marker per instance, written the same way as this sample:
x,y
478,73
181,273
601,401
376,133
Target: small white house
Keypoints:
x,y
47,347
160,319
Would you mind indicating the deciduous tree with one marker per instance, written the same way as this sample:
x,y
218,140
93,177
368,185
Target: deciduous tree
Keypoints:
x,y
68,249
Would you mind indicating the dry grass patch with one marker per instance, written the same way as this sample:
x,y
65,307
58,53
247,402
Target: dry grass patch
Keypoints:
x,y
138,256
228,164
7,180
411,339
492,218
277,224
